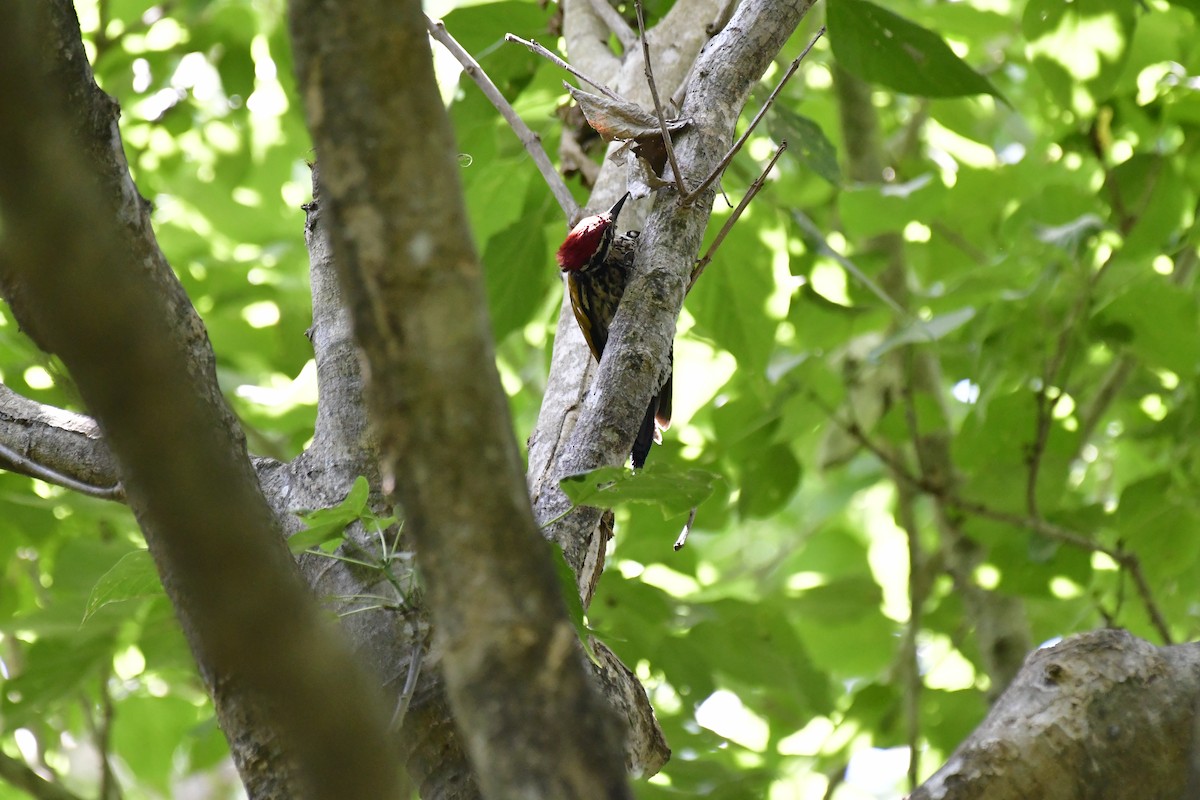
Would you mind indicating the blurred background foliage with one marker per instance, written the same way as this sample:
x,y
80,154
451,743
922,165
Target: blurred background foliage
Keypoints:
x,y
1037,200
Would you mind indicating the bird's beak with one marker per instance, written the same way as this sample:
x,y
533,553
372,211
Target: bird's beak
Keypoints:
x,y
616,209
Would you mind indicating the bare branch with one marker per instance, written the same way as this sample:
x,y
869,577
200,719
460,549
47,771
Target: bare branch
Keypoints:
x,y
546,54
717,170
616,23
531,140
31,468
662,120
18,774
737,212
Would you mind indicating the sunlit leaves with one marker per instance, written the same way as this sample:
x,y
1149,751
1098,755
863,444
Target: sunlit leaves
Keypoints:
x,y
883,47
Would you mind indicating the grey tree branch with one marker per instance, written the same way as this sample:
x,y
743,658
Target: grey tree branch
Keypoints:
x,y
1103,709
531,141
76,230
733,151
344,447
616,23
531,721
57,446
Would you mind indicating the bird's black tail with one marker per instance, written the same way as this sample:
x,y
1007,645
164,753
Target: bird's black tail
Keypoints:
x,y
658,418
646,435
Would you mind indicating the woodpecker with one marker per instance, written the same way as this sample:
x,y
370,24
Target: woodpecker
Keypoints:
x,y
597,263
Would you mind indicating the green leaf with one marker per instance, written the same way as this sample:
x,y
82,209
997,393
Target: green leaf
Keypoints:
x,y
730,301
1158,320
807,143
881,47
55,669
147,731
517,273
768,481
327,524
132,578
1082,44
1158,526
675,491
1073,236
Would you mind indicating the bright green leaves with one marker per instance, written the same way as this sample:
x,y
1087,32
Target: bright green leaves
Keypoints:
x,y
730,301
517,274
132,578
882,47
326,526
873,209
1080,42
1158,523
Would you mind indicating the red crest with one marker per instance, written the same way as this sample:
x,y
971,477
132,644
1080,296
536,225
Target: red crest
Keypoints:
x,y
589,236
582,242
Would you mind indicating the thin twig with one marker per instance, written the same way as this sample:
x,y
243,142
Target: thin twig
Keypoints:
x,y
109,788
531,141
687,529
546,54
698,270
716,173
1042,527
662,120
825,249
21,776
616,23
410,686
25,466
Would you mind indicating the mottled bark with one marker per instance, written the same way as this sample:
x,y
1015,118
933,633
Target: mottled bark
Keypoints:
x,y
1103,714
533,724
76,230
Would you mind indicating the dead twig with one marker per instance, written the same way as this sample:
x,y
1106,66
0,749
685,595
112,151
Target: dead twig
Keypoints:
x,y
662,120
716,173
698,270
546,54
531,141
687,529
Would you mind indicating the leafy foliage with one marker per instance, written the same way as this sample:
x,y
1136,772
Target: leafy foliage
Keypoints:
x,y
1044,251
